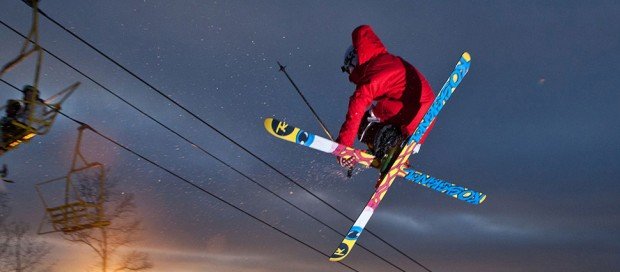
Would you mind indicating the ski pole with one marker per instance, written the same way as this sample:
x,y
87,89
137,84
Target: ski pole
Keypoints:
x,y
283,69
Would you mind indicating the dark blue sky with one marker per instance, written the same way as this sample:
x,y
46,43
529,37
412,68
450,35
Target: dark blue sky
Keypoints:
x,y
533,125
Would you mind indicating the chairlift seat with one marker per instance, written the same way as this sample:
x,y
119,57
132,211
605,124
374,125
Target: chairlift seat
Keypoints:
x,y
21,133
75,216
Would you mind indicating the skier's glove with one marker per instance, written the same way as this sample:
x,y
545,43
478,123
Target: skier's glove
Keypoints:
x,y
347,163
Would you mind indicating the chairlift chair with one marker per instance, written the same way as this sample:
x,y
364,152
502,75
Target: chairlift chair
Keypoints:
x,y
37,121
78,209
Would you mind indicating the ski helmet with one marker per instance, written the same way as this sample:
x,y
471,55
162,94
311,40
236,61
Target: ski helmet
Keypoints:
x,y
30,91
350,60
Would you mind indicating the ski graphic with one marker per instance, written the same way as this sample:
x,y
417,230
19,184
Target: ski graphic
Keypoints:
x,y
296,135
444,187
397,168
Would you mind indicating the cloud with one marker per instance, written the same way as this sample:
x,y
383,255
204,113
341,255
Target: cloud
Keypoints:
x,y
165,259
477,225
405,222
493,225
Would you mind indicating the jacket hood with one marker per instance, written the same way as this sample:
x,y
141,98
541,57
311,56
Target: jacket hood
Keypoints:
x,y
367,44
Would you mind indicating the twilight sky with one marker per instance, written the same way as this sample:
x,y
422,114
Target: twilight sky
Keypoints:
x,y
534,125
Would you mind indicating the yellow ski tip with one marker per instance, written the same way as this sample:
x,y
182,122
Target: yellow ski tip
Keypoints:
x,y
268,122
466,56
281,129
269,127
343,250
338,257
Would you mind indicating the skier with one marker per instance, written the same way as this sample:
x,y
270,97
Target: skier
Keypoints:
x,y
400,93
34,106
29,112
7,128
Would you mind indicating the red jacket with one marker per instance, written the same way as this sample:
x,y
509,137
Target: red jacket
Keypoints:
x,y
401,92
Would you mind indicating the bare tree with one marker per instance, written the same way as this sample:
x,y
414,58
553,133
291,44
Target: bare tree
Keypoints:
x,y
134,261
18,250
4,212
4,206
120,210
21,252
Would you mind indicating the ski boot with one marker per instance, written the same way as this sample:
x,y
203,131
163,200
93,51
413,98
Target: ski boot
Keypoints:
x,y
386,147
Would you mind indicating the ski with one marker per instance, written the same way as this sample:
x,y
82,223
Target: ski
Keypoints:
x,y
397,168
296,135
283,130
